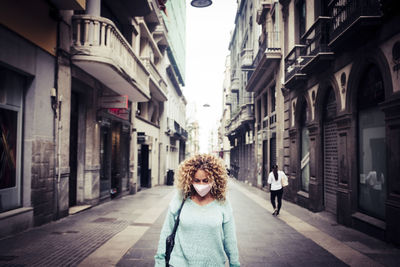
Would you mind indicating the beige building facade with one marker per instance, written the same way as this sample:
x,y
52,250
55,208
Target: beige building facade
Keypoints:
x,y
84,88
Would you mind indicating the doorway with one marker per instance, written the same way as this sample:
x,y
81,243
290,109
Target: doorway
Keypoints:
x,y
272,150
265,170
116,160
73,148
143,166
105,161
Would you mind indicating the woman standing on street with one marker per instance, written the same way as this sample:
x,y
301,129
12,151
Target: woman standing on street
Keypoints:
x,y
277,179
206,229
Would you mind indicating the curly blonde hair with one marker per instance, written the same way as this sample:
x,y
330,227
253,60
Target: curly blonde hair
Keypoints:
x,y
213,166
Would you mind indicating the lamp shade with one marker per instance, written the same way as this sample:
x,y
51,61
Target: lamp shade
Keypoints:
x,y
201,3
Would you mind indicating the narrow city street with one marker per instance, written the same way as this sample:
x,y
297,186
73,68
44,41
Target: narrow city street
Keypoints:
x,y
125,232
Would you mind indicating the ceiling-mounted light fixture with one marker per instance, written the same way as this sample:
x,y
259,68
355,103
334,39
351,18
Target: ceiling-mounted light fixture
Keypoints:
x,y
201,3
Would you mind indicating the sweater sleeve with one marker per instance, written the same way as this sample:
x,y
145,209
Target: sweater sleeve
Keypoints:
x,y
270,177
230,242
167,230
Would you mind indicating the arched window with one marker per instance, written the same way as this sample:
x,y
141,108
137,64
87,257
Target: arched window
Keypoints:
x,y
304,148
371,144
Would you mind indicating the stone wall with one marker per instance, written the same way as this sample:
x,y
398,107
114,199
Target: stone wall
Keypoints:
x,y
43,181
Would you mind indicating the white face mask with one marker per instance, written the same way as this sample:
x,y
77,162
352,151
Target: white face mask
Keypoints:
x,y
202,189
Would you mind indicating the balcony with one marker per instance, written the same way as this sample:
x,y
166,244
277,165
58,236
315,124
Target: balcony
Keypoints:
x,y
244,114
102,51
228,100
235,85
179,133
351,20
316,54
160,36
246,58
147,39
267,60
264,7
158,87
293,65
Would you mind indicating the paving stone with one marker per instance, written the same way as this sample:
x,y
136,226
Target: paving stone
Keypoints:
x,y
263,240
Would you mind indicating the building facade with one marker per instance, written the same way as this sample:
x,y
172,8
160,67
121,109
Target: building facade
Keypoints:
x,y
240,127
223,141
326,95
176,128
193,146
82,82
342,92
266,83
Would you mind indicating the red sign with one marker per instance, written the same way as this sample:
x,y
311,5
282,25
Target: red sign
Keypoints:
x,y
122,113
114,102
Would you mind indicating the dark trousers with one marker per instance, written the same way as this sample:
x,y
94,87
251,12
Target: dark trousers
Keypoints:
x,y
278,194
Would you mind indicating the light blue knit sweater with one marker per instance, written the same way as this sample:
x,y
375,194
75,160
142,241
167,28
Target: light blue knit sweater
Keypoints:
x,y
205,235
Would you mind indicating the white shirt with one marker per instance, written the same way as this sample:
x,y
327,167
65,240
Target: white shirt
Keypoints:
x,y
276,184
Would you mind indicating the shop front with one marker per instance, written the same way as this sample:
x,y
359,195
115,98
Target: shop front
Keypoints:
x,y
115,130
11,108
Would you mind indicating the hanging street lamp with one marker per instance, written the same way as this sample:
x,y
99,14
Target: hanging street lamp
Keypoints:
x,y
201,3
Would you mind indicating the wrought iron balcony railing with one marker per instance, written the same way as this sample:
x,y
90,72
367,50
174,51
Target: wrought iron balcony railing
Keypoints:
x,y
345,13
316,41
293,62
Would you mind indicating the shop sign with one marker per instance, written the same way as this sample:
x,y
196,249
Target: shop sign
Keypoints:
x,y
114,102
122,113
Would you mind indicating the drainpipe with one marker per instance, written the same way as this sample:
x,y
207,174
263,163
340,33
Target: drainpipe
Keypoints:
x,y
56,106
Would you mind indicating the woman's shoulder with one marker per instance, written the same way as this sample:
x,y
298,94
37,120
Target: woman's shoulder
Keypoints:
x,y
226,210
225,205
176,201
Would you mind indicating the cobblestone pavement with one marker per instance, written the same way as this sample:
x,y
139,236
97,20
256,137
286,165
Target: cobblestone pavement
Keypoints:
x,y
125,232
69,241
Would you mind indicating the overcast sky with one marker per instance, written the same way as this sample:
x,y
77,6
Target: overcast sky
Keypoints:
x,y
207,39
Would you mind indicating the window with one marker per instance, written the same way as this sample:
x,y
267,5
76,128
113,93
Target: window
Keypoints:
x,y
301,17
258,112
265,104
371,145
11,107
154,116
273,98
8,147
305,150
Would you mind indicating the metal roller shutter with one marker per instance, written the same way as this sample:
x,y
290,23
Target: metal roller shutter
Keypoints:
x,y
330,159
